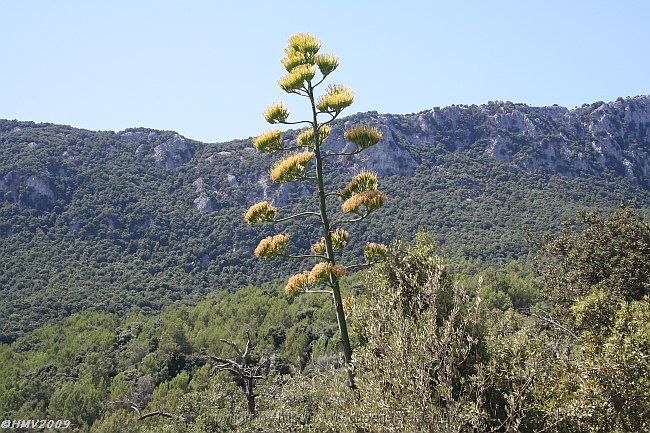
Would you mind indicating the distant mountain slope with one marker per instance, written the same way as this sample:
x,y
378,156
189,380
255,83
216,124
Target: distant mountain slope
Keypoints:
x,y
142,218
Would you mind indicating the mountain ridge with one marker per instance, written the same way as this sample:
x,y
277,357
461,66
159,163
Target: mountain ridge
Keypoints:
x,y
137,219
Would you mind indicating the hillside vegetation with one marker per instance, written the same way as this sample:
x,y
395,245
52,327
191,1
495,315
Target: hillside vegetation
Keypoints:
x,y
561,349
136,220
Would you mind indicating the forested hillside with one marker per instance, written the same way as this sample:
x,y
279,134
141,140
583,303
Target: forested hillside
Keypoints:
x,y
563,349
135,220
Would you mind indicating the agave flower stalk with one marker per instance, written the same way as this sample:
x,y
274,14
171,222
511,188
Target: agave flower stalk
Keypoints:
x,y
361,197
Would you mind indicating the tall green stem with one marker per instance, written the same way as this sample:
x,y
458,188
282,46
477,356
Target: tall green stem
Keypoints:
x,y
336,291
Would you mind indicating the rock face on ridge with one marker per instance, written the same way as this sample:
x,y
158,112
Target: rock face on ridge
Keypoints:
x,y
172,152
37,191
600,139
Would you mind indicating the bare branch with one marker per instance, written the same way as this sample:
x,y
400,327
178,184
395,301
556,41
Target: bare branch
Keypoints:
x,y
360,265
318,291
127,402
300,179
301,92
163,414
141,416
225,362
354,220
295,216
289,149
248,347
334,116
233,345
343,153
550,321
304,256
298,122
313,86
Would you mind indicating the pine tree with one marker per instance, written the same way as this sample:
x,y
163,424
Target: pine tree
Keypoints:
x,y
305,162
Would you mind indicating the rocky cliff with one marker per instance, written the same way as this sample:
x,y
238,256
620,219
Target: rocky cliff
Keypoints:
x,y
601,139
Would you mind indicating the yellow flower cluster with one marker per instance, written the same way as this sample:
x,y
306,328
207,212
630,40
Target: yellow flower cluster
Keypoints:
x,y
348,302
291,168
297,283
363,136
271,247
301,50
335,99
339,241
322,272
304,43
326,63
294,58
276,113
306,137
371,200
270,141
363,181
318,247
260,212
375,252
295,79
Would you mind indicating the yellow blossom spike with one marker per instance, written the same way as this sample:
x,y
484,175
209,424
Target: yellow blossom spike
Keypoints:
x,y
306,72
306,137
322,271
304,43
270,141
297,283
260,212
363,181
295,79
371,200
363,136
291,168
339,239
294,58
276,113
318,247
326,63
339,242
271,247
375,252
335,99
348,303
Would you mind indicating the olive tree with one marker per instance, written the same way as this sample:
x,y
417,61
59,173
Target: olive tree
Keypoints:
x,y
305,160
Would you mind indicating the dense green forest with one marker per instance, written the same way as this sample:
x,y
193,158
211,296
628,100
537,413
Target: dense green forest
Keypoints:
x,y
558,346
106,221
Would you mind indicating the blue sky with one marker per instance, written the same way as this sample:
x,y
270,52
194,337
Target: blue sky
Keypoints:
x,y
208,69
